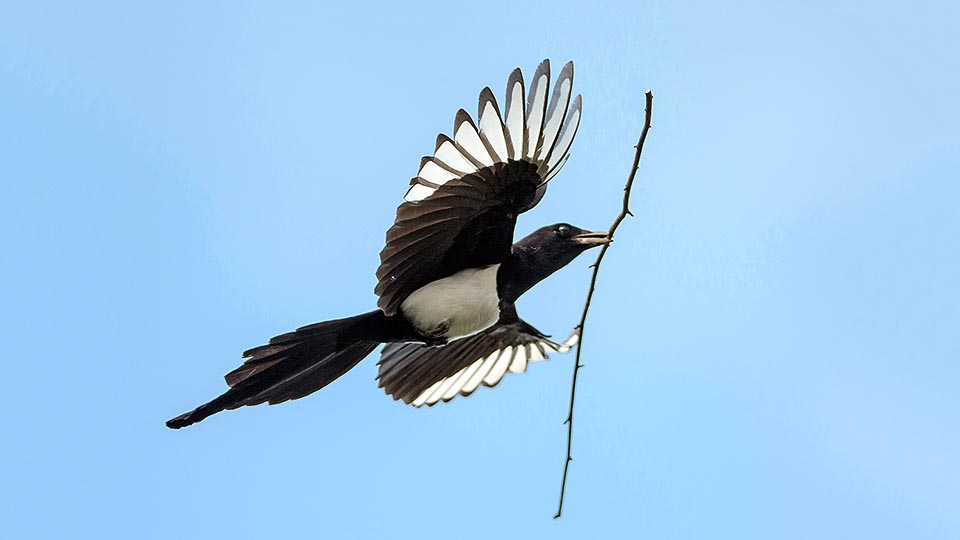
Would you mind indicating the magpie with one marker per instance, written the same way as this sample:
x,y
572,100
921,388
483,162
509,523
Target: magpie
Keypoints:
x,y
450,274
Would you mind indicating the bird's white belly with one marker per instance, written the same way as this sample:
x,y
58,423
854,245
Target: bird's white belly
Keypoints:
x,y
456,306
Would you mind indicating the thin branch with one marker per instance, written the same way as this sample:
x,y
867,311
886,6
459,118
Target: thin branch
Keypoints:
x,y
648,111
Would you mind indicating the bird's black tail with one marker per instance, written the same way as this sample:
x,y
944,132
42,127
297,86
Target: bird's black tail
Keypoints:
x,y
295,364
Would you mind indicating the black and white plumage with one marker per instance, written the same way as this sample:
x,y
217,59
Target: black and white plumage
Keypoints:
x,y
450,273
463,204
421,375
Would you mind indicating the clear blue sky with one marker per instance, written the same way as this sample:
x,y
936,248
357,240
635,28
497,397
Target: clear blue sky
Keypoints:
x,y
773,349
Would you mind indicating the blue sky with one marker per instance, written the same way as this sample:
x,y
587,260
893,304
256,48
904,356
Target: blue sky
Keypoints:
x,y
772,351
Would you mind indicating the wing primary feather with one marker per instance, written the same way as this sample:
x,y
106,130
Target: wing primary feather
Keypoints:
x,y
537,353
568,132
499,368
492,130
445,384
556,170
424,182
449,154
481,373
519,362
418,192
468,375
557,111
429,170
422,369
422,398
459,378
515,115
536,108
467,139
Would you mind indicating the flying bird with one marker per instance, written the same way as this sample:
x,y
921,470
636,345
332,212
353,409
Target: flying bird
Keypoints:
x,y
450,274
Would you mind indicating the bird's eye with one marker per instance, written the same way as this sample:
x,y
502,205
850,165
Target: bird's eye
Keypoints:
x,y
563,230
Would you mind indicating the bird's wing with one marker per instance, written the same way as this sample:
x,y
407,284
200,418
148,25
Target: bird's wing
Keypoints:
x,y
422,375
463,204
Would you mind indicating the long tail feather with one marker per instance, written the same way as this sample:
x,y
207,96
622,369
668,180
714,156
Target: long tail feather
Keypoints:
x,y
294,365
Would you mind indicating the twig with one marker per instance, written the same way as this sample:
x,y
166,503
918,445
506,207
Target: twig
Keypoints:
x,y
593,284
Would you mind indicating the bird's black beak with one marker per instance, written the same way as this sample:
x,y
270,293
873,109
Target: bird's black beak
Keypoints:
x,y
592,239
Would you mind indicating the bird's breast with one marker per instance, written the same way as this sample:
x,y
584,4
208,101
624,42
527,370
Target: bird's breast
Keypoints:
x,y
455,306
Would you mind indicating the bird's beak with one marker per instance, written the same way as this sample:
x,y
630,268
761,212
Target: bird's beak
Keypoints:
x,y
592,239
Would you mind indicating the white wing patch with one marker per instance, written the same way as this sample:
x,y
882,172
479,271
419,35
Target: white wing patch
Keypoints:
x,y
567,133
468,139
492,130
431,173
449,156
515,123
537,108
557,111
529,130
489,370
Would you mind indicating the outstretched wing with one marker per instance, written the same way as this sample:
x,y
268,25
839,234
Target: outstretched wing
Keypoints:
x,y
461,208
422,375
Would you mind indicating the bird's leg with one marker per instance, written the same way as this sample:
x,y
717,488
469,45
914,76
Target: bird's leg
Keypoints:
x,y
437,335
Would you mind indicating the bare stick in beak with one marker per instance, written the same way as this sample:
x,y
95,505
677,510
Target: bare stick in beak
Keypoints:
x,y
592,239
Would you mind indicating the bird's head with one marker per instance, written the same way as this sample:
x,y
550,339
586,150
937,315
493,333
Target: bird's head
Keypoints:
x,y
554,246
549,249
